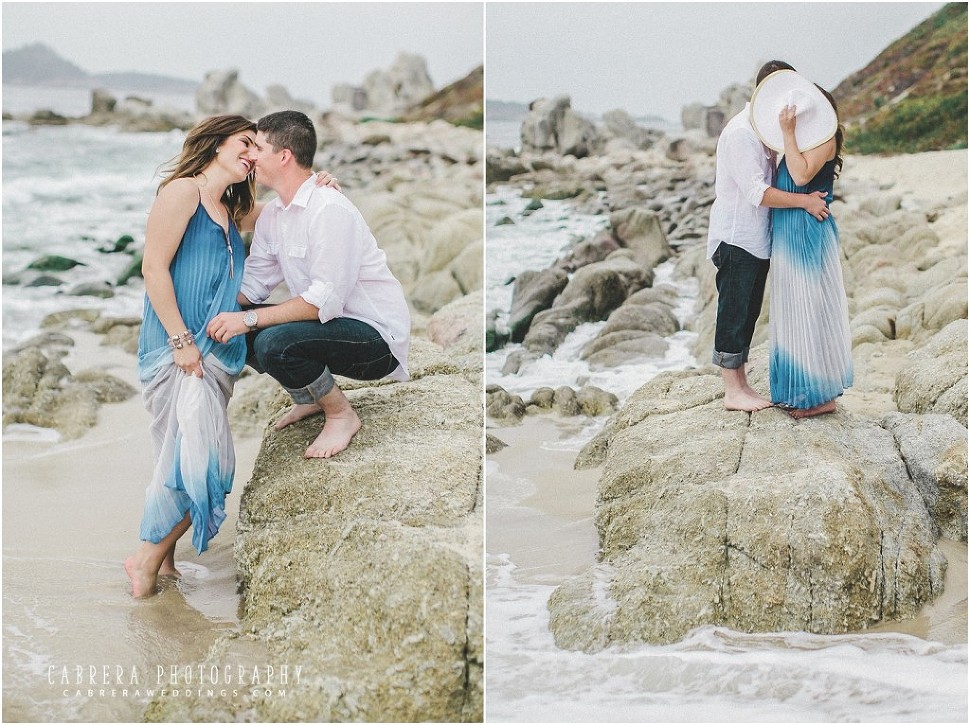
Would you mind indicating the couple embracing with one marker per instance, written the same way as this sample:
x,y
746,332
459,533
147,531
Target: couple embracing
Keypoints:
x,y
779,215
205,317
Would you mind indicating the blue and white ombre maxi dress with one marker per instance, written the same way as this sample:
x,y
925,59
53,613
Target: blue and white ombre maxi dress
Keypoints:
x,y
810,345
194,456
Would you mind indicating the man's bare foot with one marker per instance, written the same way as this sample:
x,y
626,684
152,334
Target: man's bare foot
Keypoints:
x,y
142,582
336,435
752,392
822,409
743,401
297,412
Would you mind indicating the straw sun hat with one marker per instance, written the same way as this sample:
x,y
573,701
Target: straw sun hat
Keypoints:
x,y
815,119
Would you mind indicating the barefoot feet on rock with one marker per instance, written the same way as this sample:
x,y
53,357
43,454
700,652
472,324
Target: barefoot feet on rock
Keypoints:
x,y
336,435
297,412
822,409
744,401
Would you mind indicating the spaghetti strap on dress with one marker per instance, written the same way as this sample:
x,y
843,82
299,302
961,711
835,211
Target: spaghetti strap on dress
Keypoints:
x,y
810,344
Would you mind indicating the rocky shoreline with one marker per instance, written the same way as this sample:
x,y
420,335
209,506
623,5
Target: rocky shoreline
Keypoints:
x,y
832,524
365,570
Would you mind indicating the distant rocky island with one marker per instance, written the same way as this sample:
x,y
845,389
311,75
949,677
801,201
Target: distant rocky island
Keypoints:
x,y
39,65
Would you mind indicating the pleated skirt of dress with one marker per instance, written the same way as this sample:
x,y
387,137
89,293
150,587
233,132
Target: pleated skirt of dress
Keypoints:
x,y
810,344
194,456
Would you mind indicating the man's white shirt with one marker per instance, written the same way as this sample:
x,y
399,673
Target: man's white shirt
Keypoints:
x,y
745,169
322,248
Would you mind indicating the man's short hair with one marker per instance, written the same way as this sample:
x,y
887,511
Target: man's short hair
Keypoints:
x,y
291,130
770,67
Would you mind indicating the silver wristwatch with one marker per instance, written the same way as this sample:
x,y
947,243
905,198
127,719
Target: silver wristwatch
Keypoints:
x,y
251,320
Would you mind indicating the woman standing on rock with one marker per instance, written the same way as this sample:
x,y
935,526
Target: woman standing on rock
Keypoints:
x,y
810,362
193,265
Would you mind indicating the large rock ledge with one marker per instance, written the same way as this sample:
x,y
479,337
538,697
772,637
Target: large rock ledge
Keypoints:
x,y
366,569
830,523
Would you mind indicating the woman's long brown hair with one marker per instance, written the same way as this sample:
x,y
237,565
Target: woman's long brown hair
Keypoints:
x,y
839,131
199,149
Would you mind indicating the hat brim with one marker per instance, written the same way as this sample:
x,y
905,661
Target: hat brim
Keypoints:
x,y
815,121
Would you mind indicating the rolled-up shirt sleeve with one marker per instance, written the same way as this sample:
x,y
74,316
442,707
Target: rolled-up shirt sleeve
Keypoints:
x,y
262,272
744,155
334,252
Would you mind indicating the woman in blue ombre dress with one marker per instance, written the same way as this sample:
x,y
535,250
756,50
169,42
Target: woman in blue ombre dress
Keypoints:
x,y
193,263
810,362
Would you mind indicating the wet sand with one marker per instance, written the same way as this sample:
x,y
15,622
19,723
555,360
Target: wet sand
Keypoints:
x,y
537,506
540,511
71,512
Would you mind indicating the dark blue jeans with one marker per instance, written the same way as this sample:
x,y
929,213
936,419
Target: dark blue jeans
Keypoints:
x,y
303,356
740,284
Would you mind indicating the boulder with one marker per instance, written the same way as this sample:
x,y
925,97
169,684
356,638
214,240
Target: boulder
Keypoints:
x,y
593,292
387,93
619,124
934,380
552,125
457,327
753,522
54,263
639,230
365,568
588,251
532,293
504,408
45,280
39,390
934,448
102,101
594,401
222,92
92,289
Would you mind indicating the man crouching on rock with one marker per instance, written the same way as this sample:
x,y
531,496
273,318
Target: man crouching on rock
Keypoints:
x,y
348,315
739,244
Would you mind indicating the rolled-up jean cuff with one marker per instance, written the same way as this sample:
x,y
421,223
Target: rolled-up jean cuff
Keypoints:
x,y
744,354
314,391
730,360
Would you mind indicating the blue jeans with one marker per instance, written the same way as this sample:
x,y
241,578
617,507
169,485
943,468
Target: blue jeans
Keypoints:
x,y
740,284
303,356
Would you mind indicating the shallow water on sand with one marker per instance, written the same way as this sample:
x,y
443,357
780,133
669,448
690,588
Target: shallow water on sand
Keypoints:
x,y
71,512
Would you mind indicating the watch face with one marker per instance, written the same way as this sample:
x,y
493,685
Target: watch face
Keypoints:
x,y
250,319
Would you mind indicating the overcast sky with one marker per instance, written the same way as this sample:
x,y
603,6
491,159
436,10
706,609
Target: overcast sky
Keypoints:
x,y
307,47
654,58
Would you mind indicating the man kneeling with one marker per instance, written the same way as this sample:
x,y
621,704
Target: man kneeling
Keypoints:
x,y
348,315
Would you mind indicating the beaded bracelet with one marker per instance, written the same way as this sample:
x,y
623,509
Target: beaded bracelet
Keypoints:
x,y
185,339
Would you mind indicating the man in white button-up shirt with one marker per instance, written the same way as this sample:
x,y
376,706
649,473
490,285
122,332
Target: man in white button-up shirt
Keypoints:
x,y
739,244
348,315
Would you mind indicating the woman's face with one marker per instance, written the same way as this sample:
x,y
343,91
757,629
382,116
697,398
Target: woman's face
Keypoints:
x,y
234,155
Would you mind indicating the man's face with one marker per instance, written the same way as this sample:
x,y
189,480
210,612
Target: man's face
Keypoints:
x,y
265,159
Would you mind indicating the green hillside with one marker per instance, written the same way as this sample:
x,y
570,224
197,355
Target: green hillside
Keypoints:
x,y
913,96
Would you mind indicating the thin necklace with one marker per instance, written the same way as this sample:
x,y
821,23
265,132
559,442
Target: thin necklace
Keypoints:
x,y
225,230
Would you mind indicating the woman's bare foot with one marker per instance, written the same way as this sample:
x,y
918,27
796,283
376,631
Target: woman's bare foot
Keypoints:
x,y
336,435
822,409
168,566
297,412
142,582
167,570
744,401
